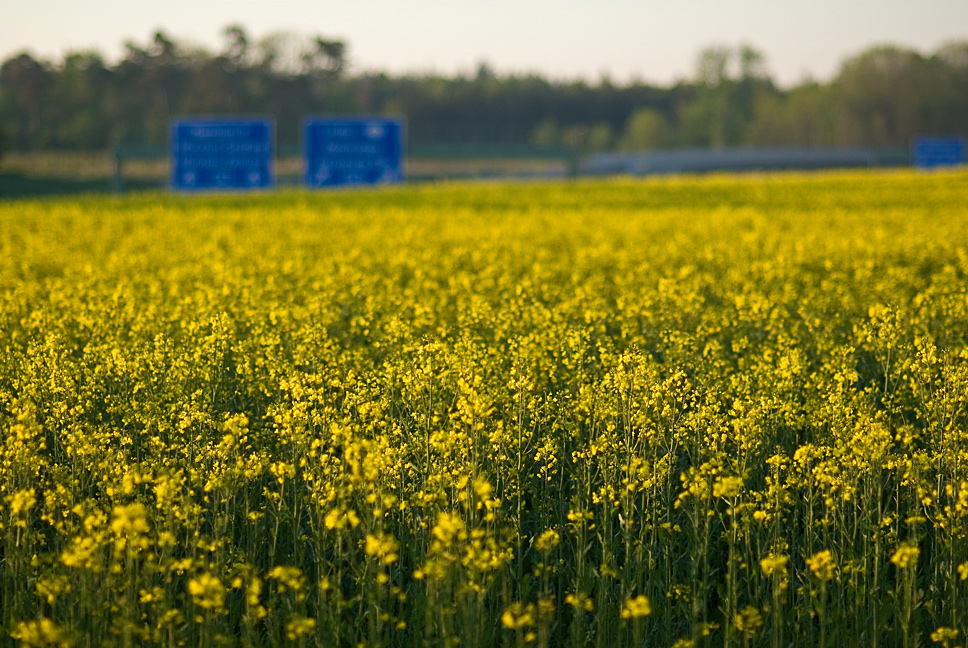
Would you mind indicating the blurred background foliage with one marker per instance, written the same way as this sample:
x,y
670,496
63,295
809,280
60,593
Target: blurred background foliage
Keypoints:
x,y
880,97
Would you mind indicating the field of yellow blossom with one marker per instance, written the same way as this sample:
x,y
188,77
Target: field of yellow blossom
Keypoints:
x,y
717,411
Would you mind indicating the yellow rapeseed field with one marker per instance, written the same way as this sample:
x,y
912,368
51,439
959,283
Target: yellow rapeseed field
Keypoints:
x,y
717,411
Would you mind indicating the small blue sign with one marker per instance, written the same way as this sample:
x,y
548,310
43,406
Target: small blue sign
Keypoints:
x,y
930,152
353,151
215,153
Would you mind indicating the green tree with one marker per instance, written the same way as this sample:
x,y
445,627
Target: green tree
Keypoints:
x,y
600,137
324,58
953,60
81,103
545,134
236,46
645,129
728,82
887,95
712,65
803,116
881,97
27,80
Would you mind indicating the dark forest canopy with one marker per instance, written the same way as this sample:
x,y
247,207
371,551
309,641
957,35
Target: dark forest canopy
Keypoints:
x,y
881,97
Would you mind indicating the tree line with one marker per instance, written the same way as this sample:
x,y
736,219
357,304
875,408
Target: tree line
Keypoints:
x,y
882,97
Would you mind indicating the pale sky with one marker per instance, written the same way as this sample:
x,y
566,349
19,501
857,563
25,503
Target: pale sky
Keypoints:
x,y
652,40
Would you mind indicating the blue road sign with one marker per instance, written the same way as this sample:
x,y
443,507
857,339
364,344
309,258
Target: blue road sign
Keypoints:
x,y
930,152
349,151
216,153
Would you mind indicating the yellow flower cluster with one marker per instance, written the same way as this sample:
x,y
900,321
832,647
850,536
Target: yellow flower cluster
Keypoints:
x,y
822,565
636,607
906,556
667,412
